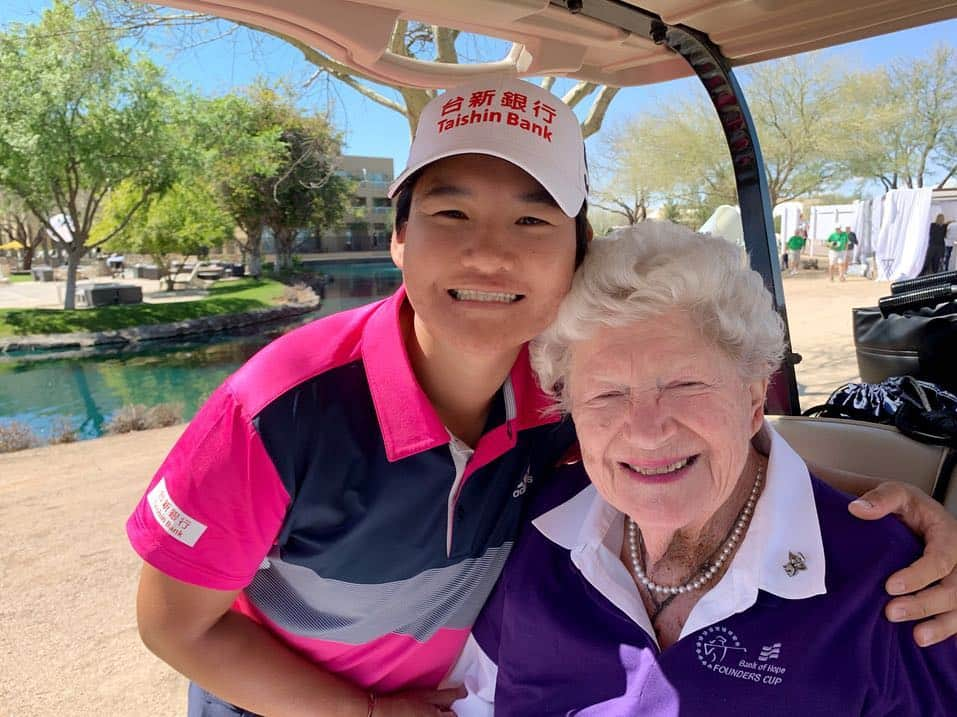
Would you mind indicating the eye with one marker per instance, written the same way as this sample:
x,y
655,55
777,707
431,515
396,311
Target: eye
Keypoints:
x,y
532,222
607,395
451,214
687,385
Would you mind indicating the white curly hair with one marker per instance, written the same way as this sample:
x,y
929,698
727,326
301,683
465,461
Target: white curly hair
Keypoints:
x,y
653,268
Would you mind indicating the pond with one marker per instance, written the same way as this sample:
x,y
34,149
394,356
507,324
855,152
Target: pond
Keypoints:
x,y
85,393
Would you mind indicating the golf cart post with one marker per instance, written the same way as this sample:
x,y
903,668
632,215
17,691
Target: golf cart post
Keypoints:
x,y
616,43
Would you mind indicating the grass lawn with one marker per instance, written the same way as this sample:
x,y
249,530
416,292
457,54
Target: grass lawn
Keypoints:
x,y
227,297
20,278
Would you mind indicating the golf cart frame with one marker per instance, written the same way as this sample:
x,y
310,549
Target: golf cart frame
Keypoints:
x,y
611,42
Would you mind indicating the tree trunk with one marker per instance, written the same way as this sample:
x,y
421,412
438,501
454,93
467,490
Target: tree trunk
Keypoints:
x,y
27,262
284,240
255,262
253,251
73,264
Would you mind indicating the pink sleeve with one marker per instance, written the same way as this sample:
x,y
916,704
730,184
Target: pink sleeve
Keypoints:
x,y
215,507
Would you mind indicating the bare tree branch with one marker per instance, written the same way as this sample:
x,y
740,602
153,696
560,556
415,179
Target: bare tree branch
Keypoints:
x,y
599,106
341,72
577,93
445,44
397,44
951,173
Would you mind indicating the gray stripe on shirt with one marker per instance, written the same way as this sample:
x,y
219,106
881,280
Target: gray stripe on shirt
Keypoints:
x,y
297,600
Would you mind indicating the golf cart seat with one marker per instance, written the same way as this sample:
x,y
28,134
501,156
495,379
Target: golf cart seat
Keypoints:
x,y
873,450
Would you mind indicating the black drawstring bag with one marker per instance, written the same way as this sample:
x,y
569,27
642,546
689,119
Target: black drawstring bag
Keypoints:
x,y
918,409
912,332
920,342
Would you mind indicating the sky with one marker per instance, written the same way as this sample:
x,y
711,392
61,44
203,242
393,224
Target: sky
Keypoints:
x,y
370,129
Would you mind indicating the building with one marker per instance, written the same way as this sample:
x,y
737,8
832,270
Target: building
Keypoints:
x,y
368,224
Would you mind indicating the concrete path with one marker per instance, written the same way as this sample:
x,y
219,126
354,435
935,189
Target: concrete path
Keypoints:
x,y
68,643
49,294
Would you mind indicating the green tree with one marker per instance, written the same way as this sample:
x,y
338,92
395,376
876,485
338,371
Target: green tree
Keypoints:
x,y
307,193
902,122
183,220
676,155
78,117
243,152
679,154
277,171
18,224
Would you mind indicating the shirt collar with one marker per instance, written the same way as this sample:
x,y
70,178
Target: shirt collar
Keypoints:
x,y
407,420
785,524
785,521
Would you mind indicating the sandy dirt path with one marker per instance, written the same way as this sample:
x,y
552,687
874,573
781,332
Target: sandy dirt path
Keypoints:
x,y
68,641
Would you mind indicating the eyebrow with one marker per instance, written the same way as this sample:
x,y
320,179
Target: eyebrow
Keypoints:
x,y
445,189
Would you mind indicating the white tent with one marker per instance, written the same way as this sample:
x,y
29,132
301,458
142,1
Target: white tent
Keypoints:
x,y
900,241
824,219
725,222
792,218
63,228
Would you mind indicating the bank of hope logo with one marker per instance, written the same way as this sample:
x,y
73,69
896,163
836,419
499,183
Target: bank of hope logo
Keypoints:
x,y
720,650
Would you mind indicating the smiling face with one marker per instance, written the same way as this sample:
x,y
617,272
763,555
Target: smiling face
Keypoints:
x,y
486,255
664,420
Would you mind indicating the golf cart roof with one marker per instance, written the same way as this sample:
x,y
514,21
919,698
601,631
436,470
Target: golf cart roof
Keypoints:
x,y
603,41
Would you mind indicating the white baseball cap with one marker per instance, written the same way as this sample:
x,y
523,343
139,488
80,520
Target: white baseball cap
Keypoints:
x,y
510,119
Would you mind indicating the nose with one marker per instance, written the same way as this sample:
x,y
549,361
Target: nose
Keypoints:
x,y
648,423
489,249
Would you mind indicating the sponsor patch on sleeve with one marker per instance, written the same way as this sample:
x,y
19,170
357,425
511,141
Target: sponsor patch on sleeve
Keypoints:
x,y
174,521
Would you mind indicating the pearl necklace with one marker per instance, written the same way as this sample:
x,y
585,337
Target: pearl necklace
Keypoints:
x,y
705,572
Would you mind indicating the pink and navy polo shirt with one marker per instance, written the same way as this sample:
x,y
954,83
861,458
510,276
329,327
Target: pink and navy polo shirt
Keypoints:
x,y
319,480
794,627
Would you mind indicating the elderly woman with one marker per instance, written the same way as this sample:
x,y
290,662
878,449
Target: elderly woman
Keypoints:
x,y
702,570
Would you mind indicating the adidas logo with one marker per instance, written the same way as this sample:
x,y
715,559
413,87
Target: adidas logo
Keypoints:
x,y
522,486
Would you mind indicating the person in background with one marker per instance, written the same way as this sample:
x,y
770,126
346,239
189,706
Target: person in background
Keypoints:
x,y
949,239
689,563
795,245
936,244
851,247
836,248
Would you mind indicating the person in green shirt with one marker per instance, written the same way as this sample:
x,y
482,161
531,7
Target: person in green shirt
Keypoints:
x,y
836,247
795,246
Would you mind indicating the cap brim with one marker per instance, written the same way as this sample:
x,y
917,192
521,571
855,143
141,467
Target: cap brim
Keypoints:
x,y
569,201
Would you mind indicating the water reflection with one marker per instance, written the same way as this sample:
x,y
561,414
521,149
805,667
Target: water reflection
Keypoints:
x,y
86,392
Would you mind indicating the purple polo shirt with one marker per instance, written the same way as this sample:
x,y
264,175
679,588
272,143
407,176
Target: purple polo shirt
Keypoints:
x,y
565,632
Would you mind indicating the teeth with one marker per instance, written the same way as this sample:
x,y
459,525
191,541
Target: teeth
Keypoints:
x,y
663,469
490,296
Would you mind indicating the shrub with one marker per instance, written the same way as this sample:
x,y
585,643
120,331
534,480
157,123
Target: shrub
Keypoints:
x,y
137,417
63,431
16,436
128,418
298,293
164,414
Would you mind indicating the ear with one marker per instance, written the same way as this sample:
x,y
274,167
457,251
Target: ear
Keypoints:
x,y
758,391
589,232
397,245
